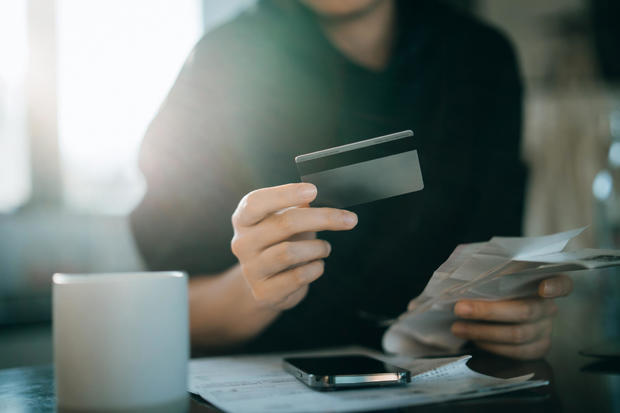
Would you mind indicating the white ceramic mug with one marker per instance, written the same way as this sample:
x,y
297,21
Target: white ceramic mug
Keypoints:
x,y
121,340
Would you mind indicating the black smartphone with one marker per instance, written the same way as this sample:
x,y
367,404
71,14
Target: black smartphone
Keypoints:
x,y
346,371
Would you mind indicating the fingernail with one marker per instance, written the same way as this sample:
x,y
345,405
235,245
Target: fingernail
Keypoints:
x,y
458,329
463,309
549,289
308,191
329,248
350,219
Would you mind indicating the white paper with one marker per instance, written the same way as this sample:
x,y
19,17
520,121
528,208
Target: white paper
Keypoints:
x,y
525,247
258,384
502,268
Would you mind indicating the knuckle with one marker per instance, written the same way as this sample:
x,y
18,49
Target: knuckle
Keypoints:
x,y
479,309
526,311
286,253
262,298
286,222
330,218
242,208
340,218
333,217
235,219
299,276
246,206
236,245
250,200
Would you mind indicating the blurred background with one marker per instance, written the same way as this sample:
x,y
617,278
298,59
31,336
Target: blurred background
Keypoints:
x,y
80,81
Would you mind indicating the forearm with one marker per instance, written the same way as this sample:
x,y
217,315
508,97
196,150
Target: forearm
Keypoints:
x,y
223,311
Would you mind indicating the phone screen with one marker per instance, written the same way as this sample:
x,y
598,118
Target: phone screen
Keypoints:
x,y
342,365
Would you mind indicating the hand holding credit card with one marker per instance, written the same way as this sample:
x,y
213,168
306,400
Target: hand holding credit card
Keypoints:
x,y
363,171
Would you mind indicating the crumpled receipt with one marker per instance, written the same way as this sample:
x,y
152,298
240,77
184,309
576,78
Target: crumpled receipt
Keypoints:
x,y
502,268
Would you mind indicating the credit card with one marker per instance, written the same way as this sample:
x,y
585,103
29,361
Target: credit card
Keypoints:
x,y
364,171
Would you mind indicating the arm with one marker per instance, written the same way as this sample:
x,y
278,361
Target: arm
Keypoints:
x,y
193,163
277,262
223,312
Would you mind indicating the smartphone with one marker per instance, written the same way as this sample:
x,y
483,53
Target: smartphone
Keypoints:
x,y
347,371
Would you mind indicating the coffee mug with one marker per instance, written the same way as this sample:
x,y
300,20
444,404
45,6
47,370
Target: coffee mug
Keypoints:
x,y
121,340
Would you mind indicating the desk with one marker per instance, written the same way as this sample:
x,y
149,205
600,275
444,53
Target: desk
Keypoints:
x,y
31,389
584,319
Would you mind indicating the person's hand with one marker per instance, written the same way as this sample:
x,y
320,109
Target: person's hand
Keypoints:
x,y
276,261
520,328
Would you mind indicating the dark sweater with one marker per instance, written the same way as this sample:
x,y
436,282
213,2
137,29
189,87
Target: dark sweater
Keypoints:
x,y
268,86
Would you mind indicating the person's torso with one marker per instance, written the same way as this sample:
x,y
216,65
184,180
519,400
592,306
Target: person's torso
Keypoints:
x,y
296,94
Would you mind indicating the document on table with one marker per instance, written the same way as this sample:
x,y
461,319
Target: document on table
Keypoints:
x,y
502,268
258,384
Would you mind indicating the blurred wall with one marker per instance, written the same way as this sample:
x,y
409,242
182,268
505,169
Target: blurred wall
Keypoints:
x,y
567,107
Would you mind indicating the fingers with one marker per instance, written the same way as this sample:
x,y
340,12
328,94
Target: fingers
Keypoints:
x,y
518,329
259,203
281,226
303,236
503,333
287,254
279,276
559,286
510,311
275,241
274,291
530,351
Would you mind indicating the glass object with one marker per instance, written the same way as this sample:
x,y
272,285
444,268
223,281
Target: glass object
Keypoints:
x,y
606,191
